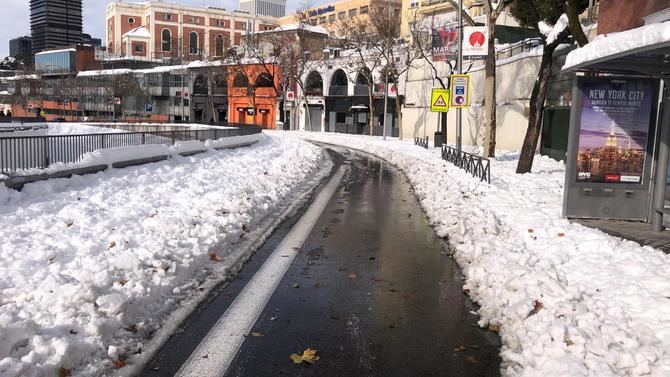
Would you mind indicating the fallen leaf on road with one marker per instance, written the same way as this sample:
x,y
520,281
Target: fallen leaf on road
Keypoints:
x,y
353,276
471,359
257,334
493,328
460,349
308,356
296,285
317,284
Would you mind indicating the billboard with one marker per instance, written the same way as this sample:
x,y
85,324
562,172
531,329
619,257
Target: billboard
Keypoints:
x,y
614,130
475,40
445,43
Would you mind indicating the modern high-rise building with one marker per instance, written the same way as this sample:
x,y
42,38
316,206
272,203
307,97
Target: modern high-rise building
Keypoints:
x,y
55,23
273,8
21,46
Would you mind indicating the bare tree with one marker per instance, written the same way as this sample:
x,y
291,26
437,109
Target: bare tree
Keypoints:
x,y
493,11
530,13
124,87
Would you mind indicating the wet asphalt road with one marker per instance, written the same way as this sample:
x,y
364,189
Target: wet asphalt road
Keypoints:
x,y
373,290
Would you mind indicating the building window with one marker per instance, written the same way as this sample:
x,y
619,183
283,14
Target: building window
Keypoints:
x,y
186,102
396,13
364,9
220,23
139,48
342,15
166,38
331,18
193,20
322,20
131,20
167,17
219,45
193,43
353,12
414,4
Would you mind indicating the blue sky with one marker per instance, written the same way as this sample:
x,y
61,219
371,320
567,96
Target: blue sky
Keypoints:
x,y
15,16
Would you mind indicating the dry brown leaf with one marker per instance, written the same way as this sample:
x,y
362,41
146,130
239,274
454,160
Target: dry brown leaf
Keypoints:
x,y
530,230
569,342
494,328
296,285
257,334
52,259
537,306
460,349
118,363
471,359
64,372
111,245
308,356
123,281
214,257
561,234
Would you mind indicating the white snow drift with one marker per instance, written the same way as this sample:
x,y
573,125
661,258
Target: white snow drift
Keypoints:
x,y
568,300
92,265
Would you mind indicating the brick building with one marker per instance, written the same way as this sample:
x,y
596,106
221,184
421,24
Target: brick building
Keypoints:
x,y
155,30
619,15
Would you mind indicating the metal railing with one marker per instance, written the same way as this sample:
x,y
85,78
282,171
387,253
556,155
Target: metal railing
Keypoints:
x,y
38,152
518,48
478,166
422,142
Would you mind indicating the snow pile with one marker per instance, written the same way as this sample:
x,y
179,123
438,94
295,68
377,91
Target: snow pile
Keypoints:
x,y
561,24
92,265
567,300
628,41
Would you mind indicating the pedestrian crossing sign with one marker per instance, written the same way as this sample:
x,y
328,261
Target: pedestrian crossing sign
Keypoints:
x,y
439,100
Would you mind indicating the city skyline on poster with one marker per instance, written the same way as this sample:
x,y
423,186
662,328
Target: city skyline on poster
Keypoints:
x,y
614,129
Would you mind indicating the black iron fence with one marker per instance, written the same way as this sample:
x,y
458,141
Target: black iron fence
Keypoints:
x,y
422,142
478,166
38,152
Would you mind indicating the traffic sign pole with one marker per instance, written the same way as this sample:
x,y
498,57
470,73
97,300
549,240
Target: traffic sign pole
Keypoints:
x,y
459,67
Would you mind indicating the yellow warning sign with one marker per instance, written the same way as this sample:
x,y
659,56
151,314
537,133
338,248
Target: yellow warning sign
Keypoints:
x,y
439,100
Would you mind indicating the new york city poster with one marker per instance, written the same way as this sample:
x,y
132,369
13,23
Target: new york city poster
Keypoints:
x,y
614,129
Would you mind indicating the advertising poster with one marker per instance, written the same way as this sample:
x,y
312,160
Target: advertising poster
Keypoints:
x,y
445,43
475,41
614,128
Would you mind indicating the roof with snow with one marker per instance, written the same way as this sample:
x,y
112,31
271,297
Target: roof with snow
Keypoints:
x,y
297,26
104,72
138,32
55,51
642,50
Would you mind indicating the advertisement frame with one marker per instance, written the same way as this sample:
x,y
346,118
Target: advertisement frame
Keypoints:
x,y
452,84
447,45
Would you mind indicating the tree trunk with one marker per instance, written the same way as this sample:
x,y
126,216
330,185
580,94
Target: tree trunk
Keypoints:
x,y
537,99
398,110
371,100
490,94
574,24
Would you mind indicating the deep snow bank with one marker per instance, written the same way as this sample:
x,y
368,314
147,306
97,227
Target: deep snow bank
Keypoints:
x,y
92,265
568,300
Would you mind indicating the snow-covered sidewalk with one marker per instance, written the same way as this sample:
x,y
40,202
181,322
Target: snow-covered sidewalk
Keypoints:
x,y
93,265
567,300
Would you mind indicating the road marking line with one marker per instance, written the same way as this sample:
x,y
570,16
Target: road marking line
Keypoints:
x,y
214,354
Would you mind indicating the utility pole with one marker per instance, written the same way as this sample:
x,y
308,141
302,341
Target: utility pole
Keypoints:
x,y
386,73
459,68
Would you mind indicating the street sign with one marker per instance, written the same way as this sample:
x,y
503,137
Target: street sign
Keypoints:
x,y
290,96
117,101
475,41
150,107
439,100
460,89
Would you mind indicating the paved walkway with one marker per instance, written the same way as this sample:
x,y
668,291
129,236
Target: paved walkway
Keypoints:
x,y
632,230
373,290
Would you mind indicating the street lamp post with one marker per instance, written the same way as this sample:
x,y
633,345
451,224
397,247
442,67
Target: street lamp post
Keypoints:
x,y
459,67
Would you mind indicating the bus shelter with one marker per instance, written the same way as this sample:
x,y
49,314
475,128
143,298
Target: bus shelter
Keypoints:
x,y
619,138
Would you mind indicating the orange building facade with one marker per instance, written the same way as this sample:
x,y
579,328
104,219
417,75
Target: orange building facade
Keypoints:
x,y
253,93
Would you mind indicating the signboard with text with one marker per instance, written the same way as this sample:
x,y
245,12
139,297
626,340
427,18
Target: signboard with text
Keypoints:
x,y
460,91
475,41
614,130
439,100
444,43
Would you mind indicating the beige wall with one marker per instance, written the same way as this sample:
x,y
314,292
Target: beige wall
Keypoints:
x,y
516,78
